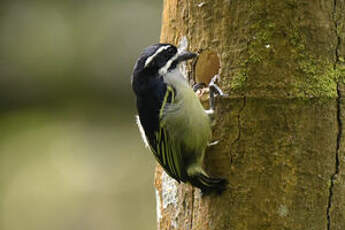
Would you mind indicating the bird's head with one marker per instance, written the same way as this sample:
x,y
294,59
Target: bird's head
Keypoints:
x,y
158,59
161,58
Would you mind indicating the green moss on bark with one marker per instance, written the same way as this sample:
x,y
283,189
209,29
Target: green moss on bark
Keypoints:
x,y
258,48
311,76
316,76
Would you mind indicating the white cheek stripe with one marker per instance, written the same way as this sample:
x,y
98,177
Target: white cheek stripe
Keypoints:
x,y
149,59
165,68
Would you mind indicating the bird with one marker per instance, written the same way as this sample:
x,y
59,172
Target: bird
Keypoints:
x,y
171,119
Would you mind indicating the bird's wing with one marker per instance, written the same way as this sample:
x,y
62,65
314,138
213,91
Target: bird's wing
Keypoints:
x,y
166,151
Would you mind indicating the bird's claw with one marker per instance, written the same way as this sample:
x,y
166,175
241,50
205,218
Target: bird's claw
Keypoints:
x,y
213,143
198,86
214,90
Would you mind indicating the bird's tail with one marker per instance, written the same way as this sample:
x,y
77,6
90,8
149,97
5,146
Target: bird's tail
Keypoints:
x,y
208,184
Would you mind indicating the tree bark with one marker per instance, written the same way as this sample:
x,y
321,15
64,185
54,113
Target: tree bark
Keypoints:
x,y
281,130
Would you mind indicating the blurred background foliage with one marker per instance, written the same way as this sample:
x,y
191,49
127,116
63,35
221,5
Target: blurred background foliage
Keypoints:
x,y
70,152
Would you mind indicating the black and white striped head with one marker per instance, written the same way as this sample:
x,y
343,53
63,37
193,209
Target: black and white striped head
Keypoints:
x,y
154,62
161,58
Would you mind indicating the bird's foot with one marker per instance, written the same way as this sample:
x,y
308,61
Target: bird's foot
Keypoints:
x,y
200,89
214,91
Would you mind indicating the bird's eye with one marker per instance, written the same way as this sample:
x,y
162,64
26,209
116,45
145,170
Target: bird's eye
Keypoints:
x,y
170,50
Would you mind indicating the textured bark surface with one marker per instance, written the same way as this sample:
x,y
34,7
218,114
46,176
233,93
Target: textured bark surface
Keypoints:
x,y
281,130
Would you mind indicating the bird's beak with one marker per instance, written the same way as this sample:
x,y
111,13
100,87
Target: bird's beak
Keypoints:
x,y
185,55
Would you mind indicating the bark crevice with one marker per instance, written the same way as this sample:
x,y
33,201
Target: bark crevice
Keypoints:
x,y
339,123
336,172
336,32
238,127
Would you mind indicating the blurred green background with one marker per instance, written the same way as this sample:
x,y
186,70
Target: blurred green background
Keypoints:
x,y
71,156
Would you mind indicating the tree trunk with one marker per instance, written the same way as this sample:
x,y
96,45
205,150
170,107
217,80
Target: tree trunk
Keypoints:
x,y
281,130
